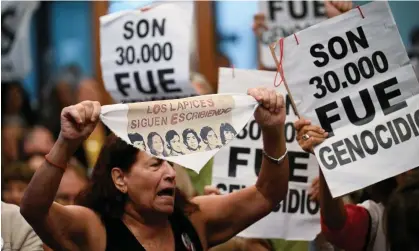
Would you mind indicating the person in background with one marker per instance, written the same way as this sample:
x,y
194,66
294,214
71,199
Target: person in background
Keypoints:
x,y
15,179
39,140
16,233
401,216
74,181
413,51
350,227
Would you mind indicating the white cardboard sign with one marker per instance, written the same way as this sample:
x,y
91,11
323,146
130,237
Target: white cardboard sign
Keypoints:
x,y
144,53
358,85
236,166
283,18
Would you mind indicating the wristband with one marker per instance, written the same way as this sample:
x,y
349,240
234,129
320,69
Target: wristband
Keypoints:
x,y
55,165
274,160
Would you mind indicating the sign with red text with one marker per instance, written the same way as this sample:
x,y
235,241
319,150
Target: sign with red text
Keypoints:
x,y
144,52
358,85
283,18
237,166
186,131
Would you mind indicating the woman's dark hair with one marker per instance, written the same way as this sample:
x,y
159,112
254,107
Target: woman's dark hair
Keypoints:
x,y
26,110
151,146
402,216
226,127
102,196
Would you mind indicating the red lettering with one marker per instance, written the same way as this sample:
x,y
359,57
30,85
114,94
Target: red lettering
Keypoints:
x,y
210,102
148,110
173,120
203,104
156,109
163,107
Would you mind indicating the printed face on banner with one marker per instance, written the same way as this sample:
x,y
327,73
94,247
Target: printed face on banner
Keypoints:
x,y
179,127
144,54
359,87
237,166
284,18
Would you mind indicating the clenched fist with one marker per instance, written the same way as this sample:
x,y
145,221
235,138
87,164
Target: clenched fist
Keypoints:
x,y
335,8
271,112
78,121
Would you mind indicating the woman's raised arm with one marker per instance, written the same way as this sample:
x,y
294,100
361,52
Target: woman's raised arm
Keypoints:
x,y
221,217
62,227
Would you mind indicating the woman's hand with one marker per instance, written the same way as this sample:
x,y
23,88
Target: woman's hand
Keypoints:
x,y
335,8
309,136
78,121
270,115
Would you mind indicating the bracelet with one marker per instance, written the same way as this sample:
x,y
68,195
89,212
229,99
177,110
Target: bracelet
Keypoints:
x,y
53,164
274,160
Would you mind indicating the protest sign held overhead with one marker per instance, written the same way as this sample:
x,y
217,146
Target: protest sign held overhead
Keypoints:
x,y
237,166
15,41
144,53
358,85
187,131
283,18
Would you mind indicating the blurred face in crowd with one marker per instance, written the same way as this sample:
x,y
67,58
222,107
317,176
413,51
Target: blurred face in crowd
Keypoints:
x,y
39,140
158,144
212,139
175,144
71,185
13,191
14,100
35,162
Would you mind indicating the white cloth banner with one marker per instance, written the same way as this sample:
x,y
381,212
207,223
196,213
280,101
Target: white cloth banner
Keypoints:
x,y
16,60
358,85
236,166
184,131
283,18
144,53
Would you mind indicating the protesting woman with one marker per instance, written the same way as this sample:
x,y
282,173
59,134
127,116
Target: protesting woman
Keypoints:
x,y
132,203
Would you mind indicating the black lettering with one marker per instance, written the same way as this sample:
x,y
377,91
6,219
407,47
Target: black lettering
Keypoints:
x,y
7,34
311,210
166,82
393,133
412,125
331,47
303,199
324,150
339,152
120,85
289,132
384,97
153,88
352,80
318,81
382,128
159,28
128,28
318,8
362,67
144,23
222,186
234,160
316,52
367,134
398,122
288,105
325,120
368,105
293,196
273,7
292,11
416,116
293,165
354,148
234,188
360,39
377,66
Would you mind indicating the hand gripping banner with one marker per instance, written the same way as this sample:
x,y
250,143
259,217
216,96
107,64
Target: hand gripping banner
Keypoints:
x,y
188,131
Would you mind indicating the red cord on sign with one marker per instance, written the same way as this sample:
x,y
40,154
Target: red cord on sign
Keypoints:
x,y
280,69
296,39
146,8
360,11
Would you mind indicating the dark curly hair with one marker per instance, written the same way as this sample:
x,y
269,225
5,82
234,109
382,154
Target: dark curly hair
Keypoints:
x,y
102,196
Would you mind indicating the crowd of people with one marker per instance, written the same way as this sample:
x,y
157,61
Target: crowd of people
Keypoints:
x,y
68,183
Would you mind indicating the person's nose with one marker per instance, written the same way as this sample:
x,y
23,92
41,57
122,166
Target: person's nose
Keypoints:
x,y
170,172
